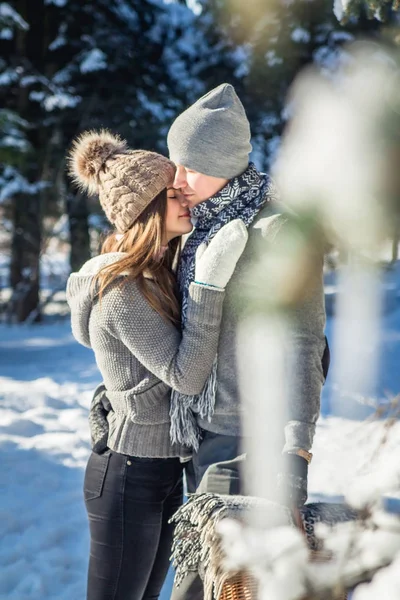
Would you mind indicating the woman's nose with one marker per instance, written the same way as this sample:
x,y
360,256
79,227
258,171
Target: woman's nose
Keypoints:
x,y
181,198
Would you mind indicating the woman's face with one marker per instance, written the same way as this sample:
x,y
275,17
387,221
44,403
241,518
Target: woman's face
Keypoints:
x,y
177,220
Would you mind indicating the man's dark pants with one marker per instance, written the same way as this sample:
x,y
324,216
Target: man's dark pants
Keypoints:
x,y
214,448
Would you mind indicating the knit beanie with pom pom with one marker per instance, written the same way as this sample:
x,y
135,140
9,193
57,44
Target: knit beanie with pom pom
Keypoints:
x,y
127,181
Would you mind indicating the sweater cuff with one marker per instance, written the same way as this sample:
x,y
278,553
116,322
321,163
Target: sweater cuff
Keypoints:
x,y
205,304
298,435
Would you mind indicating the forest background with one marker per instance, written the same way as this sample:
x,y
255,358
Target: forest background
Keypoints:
x,y
132,66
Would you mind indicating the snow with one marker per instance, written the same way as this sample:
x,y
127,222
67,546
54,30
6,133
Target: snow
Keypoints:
x,y
13,137
195,6
273,59
300,35
8,141
8,76
9,15
385,584
127,12
63,76
36,96
46,383
44,444
242,58
58,42
6,33
29,80
59,3
12,182
94,60
157,109
61,100
339,8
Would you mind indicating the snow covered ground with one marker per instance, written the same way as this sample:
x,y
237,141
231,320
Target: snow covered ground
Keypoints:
x,y
46,382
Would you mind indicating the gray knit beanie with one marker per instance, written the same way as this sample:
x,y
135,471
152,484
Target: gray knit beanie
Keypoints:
x,y
127,181
213,135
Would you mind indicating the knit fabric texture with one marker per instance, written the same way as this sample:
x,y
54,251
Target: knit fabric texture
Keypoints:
x,y
98,425
126,181
242,198
141,356
213,135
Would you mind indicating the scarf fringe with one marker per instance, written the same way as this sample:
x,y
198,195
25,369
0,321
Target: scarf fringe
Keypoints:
x,y
184,410
198,547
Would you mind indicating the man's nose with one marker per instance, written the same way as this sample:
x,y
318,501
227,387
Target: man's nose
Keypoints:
x,y
180,177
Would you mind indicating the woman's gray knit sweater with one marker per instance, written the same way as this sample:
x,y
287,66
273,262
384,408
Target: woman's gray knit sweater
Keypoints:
x,y
141,356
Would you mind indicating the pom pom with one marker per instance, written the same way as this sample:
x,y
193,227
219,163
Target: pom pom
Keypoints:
x,y
89,153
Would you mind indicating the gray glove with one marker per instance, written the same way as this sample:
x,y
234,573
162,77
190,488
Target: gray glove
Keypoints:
x,y
293,480
99,408
216,262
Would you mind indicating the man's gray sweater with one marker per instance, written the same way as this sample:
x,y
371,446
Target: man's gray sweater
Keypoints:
x,y
141,356
307,343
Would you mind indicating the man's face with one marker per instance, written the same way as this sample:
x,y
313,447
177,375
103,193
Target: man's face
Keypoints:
x,y
196,187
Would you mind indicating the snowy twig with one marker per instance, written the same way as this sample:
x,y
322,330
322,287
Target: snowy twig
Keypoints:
x,y
354,552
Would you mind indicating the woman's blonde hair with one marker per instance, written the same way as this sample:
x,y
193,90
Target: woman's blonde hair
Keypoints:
x,y
145,261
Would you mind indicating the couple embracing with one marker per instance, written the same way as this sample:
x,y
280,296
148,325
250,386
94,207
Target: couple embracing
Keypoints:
x,y
162,322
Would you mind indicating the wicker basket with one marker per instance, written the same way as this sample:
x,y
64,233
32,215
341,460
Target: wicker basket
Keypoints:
x,y
244,587
240,587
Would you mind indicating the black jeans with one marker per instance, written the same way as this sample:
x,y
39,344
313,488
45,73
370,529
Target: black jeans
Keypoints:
x,y
129,502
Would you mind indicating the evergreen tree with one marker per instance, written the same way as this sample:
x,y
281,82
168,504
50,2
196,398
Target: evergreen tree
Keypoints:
x,y
98,64
132,66
276,41
346,10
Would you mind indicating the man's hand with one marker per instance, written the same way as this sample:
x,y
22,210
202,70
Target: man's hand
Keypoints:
x,y
293,479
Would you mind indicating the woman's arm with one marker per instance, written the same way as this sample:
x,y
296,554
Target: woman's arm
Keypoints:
x,y
183,361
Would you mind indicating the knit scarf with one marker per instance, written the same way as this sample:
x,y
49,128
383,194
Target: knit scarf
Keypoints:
x,y
242,198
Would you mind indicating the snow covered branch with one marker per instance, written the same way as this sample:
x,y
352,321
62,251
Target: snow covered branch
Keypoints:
x,y
346,9
280,561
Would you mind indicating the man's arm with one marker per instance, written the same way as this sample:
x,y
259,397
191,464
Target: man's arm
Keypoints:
x,y
300,274
304,306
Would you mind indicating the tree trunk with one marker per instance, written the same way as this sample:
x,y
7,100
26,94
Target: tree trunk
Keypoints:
x,y
78,216
25,257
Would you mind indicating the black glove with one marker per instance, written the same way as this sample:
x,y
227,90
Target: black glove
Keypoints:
x,y
293,479
98,424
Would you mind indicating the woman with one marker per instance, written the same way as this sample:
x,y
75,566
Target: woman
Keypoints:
x,y
124,306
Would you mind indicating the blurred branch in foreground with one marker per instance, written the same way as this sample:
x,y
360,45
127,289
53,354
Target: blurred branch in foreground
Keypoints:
x,y
336,175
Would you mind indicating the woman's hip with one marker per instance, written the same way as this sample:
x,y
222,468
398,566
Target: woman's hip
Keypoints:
x,y
113,481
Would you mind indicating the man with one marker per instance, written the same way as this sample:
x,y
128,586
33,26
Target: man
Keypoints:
x,y
210,145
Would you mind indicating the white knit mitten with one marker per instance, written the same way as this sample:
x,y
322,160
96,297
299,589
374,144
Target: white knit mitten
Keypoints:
x,y
216,262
